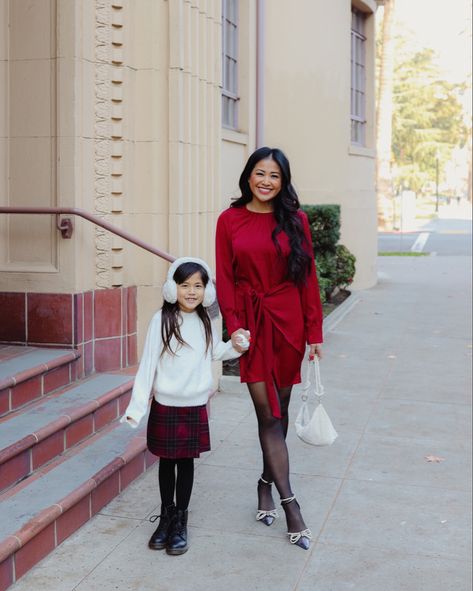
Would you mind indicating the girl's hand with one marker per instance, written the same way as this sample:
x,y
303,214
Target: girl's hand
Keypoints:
x,y
235,341
315,349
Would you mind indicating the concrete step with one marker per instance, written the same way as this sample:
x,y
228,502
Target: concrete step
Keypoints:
x,y
62,456
34,435
28,373
44,509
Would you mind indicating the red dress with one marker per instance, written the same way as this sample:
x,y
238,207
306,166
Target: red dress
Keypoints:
x,y
253,293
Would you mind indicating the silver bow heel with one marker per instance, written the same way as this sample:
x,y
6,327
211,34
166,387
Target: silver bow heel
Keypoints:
x,y
299,538
266,517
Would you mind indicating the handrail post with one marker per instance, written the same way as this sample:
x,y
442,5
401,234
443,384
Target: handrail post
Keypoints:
x,y
65,225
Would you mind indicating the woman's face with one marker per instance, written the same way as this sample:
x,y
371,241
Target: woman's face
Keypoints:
x,y
265,180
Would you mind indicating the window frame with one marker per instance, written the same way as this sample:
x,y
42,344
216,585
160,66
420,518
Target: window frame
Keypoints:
x,y
358,86
230,54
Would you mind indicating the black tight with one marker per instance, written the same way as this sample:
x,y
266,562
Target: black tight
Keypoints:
x,y
182,485
272,435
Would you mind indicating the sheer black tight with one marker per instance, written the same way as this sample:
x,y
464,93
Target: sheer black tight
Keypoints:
x,y
182,485
272,435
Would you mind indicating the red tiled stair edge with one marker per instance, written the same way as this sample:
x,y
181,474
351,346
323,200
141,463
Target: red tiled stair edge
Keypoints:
x,y
21,551
31,372
64,421
28,454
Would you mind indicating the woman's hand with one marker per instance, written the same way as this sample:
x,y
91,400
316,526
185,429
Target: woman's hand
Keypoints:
x,y
235,341
315,349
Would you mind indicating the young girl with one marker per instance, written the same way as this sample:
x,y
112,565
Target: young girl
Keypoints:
x,y
176,368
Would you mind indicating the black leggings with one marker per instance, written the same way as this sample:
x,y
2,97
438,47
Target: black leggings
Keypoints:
x,y
182,485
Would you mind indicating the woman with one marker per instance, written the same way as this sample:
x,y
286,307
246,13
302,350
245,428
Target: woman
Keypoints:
x,y
266,282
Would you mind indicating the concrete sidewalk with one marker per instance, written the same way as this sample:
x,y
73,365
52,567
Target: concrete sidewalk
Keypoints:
x,y
398,389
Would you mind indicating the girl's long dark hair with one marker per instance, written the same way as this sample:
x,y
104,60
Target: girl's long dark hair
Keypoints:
x,y
286,204
170,313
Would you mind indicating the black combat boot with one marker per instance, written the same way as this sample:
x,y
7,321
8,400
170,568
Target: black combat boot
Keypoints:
x,y
177,539
160,537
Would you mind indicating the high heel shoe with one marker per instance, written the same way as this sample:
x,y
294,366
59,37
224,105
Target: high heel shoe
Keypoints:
x,y
299,538
266,517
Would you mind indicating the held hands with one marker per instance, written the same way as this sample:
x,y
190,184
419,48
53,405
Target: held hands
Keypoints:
x,y
241,340
315,349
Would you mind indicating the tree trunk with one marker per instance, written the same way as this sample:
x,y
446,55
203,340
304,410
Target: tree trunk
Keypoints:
x,y
384,117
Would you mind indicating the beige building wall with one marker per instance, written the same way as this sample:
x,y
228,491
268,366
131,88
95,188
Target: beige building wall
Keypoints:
x,y
172,141
114,106
307,114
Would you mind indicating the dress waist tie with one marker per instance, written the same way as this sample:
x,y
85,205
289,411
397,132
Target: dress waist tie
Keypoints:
x,y
258,307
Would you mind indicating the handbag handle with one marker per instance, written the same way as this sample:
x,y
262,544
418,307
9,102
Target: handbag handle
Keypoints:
x,y
313,366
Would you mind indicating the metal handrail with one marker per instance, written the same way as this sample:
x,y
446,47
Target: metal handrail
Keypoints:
x,y
65,225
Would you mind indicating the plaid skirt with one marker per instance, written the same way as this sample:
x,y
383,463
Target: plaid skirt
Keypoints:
x,y
178,431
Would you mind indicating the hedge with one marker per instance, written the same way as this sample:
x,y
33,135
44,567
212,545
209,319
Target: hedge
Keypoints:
x,y
335,263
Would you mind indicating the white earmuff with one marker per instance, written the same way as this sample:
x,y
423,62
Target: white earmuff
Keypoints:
x,y
170,286
170,291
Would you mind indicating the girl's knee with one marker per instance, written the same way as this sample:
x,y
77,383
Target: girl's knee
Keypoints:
x,y
185,461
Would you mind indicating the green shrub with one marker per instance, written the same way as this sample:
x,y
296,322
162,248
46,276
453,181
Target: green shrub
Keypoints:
x,y
335,263
324,222
345,266
324,283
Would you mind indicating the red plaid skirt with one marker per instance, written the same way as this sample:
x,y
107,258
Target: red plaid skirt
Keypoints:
x,y
178,431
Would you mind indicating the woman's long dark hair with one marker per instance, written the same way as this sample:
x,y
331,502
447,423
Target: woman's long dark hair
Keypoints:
x,y
170,313
286,203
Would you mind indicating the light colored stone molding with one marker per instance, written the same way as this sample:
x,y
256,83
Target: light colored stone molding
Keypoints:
x,y
109,138
117,165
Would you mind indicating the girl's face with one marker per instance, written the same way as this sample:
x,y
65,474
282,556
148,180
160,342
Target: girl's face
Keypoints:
x,y
265,181
190,293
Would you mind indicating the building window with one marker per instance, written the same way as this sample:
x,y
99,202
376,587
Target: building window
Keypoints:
x,y
358,77
230,63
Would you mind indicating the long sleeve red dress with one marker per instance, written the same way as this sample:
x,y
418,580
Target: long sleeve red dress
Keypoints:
x,y
254,293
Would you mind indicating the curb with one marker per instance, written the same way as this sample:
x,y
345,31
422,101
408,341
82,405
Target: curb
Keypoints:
x,y
335,317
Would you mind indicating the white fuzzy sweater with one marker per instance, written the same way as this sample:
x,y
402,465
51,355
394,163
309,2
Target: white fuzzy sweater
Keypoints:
x,y
184,379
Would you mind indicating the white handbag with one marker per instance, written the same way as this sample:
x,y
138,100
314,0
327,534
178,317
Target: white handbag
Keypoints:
x,y
316,429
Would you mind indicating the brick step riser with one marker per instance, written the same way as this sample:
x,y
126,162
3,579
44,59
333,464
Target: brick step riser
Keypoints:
x,y
59,521
33,454
34,388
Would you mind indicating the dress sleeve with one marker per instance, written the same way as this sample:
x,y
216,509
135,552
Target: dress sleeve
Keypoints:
x,y
310,296
145,375
225,278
